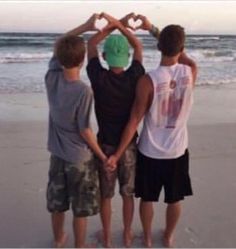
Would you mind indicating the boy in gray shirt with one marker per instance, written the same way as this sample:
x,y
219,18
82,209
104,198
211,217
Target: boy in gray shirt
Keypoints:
x,y
73,178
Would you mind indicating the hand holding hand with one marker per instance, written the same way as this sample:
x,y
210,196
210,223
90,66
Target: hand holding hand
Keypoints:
x,y
111,163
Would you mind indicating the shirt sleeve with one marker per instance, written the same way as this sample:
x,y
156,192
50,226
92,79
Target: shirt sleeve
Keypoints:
x,y
54,64
84,110
94,71
54,67
136,69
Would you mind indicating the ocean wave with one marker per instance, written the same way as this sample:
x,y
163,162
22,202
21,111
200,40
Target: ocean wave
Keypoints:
x,y
212,55
201,38
23,57
213,82
25,43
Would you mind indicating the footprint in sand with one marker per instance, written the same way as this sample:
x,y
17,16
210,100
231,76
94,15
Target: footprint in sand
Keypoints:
x,y
194,239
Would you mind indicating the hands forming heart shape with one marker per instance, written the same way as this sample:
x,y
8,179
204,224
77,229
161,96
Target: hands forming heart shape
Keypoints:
x,y
135,23
131,21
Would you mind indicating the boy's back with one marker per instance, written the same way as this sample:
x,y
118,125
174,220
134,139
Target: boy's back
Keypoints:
x,y
114,95
69,103
164,134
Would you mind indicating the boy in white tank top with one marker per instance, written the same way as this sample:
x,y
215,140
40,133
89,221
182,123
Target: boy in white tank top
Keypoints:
x,y
164,98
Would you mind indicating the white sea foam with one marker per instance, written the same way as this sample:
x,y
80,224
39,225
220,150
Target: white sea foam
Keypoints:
x,y
198,38
206,55
19,57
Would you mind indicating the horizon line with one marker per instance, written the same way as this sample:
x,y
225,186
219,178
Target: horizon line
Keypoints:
x,y
138,33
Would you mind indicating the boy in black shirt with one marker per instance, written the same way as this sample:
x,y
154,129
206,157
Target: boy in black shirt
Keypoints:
x,y
114,92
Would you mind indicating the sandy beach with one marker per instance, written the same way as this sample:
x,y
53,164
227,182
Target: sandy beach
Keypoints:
x,y
208,218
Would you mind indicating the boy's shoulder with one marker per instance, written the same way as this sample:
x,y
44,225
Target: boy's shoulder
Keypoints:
x,y
84,88
175,68
136,68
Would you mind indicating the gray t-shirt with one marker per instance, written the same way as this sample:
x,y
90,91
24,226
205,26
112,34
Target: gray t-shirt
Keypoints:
x,y
70,106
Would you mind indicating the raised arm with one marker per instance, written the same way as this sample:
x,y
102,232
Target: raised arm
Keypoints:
x,y
184,59
89,25
143,100
133,40
147,25
101,35
96,39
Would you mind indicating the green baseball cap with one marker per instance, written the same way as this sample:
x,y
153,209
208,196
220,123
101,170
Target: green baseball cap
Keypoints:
x,y
116,49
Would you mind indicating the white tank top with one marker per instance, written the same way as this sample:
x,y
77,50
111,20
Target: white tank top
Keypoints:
x,y
164,133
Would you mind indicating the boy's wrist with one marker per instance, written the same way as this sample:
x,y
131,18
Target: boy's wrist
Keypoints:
x,y
86,27
154,31
104,158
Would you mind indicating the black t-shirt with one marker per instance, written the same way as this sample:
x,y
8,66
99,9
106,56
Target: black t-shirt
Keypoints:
x,y
114,95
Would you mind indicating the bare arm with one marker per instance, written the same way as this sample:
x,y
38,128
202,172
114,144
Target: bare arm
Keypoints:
x,y
184,59
112,25
95,40
89,25
91,140
143,100
133,40
147,25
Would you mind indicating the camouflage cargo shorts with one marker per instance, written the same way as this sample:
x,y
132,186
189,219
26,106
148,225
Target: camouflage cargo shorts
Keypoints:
x,y
125,172
75,184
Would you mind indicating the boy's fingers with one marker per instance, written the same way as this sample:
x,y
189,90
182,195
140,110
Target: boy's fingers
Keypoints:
x,y
108,17
130,27
139,27
130,15
141,17
105,15
96,15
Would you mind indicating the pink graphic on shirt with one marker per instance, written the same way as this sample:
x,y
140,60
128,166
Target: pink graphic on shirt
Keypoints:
x,y
170,104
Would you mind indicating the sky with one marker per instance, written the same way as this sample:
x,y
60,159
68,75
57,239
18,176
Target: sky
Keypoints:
x,y
197,17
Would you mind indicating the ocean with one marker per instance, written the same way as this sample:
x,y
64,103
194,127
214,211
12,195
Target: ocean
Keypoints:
x,y
24,58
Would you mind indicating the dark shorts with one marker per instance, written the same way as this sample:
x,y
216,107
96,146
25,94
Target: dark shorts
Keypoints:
x,y
153,174
75,184
124,172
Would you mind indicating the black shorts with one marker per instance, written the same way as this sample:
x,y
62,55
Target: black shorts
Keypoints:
x,y
172,174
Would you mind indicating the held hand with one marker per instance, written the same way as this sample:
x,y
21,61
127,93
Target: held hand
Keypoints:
x,y
111,163
125,20
145,23
91,22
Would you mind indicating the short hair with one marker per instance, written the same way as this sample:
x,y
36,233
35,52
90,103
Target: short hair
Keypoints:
x,y
70,51
171,40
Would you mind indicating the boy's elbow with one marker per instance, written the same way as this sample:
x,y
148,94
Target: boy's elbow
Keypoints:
x,y
194,67
134,122
85,132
